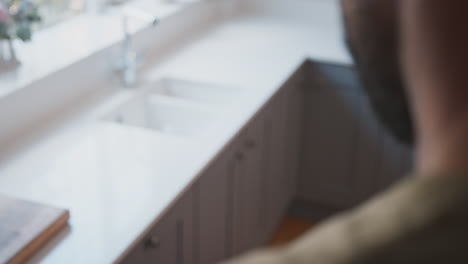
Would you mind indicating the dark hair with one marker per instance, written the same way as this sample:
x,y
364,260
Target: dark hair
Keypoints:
x,y
372,39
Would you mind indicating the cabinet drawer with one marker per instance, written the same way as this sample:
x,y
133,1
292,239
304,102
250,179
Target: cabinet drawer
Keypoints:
x,y
171,239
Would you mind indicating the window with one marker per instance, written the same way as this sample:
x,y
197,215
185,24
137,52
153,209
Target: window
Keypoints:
x,y
54,11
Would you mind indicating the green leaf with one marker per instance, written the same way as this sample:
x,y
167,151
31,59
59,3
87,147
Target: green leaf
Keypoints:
x,y
4,34
33,15
24,32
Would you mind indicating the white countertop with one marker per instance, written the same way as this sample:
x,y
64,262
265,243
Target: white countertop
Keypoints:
x,y
117,180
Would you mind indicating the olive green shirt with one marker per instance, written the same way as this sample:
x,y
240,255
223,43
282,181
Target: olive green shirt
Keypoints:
x,y
420,220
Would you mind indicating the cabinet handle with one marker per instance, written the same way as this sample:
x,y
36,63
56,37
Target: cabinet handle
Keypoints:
x,y
250,143
239,156
153,242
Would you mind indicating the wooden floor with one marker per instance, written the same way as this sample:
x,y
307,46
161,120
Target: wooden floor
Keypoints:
x,y
290,229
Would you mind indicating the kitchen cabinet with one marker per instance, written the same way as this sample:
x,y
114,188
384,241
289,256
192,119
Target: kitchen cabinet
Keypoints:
x,y
266,174
248,184
276,168
294,120
249,187
348,155
212,211
329,139
171,239
232,196
316,139
239,200
367,161
276,179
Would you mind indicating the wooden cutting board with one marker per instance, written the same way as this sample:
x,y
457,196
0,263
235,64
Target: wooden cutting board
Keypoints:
x,y
25,227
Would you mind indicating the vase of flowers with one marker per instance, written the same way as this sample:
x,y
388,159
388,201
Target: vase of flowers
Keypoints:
x,y
17,18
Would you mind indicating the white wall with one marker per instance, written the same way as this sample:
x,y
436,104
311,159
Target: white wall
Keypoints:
x,y
315,11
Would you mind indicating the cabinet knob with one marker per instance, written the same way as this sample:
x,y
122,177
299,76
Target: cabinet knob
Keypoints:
x,y
153,242
250,143
239,156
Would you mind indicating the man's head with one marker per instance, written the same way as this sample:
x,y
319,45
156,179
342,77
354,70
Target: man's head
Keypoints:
x,y
372,37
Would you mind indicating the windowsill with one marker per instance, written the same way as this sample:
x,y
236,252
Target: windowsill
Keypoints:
x,y
70,41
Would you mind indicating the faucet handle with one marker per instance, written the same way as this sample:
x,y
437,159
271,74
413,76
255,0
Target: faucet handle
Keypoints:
x,y
138,14
130,61
130,68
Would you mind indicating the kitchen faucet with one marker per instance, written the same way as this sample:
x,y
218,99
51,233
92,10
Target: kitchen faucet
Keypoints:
x,y
129,61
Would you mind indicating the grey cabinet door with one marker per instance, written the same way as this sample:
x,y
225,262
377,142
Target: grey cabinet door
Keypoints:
x,y
264,169
331,131
270,181
171,240
367,161
246,178
247,171
294,100
212,212
276,179
250,188
237,202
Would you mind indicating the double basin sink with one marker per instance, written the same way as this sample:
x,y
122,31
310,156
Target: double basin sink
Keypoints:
x,y
176,107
